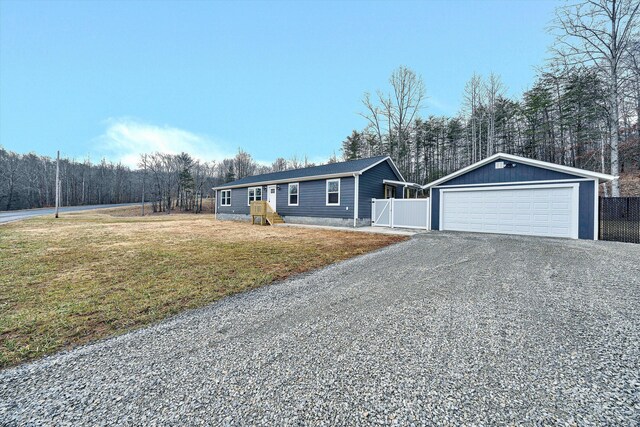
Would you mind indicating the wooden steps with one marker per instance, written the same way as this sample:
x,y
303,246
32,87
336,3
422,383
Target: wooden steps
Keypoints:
x,y
262,210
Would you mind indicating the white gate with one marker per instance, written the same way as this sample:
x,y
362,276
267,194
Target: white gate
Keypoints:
x,y
404,213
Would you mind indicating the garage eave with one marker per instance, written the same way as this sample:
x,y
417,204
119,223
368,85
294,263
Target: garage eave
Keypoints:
x,y
538,163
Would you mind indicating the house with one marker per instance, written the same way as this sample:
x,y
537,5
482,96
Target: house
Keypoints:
x,y
515,195
333,194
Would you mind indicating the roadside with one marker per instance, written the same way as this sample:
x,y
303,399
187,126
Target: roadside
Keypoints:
x,y
11,216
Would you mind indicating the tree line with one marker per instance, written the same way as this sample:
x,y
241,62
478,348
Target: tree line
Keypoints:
x,y
168,182
582,110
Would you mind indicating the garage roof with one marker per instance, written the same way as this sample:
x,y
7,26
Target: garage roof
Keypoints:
x,y
538,163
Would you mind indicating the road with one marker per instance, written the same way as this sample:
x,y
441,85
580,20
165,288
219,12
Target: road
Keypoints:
x,y
444,329
10,216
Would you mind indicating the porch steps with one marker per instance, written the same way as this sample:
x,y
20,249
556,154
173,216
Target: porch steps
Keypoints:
x,y
274,218
262,210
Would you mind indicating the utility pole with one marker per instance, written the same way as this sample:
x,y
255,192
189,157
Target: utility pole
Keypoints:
x,y
57,183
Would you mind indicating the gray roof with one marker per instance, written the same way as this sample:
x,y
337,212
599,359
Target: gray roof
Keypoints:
x,y
345,168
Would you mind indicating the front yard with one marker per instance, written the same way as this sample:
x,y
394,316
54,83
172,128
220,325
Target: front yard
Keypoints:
x,y
90,275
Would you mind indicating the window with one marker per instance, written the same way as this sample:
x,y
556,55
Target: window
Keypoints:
x,y
293,194
225,198
389,191
333,192
254,193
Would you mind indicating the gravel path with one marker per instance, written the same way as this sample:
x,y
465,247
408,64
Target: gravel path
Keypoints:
x,y
445,329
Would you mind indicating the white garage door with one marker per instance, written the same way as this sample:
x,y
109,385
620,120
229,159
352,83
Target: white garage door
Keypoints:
x,y
532,210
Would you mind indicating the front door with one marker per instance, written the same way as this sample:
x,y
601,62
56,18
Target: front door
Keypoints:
x,y
271,197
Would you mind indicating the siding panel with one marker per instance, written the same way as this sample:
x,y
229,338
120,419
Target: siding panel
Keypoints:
x,y
489,174
312,200
371,187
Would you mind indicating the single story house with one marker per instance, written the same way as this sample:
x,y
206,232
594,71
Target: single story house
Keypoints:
x,y
515,195
332,194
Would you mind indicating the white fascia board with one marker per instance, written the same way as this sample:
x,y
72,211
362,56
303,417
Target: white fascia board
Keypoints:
x,y
284,181
524,160
406,184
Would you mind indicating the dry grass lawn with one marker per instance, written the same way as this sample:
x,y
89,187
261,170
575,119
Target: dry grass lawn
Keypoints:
x,y
87,276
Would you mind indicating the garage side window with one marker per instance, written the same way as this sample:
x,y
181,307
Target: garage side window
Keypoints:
x,y
333,192
225,198
294,189
254,193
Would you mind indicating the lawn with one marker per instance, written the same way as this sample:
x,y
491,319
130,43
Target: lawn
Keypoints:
x,y
87,276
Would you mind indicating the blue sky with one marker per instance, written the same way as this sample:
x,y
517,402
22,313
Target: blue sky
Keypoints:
x,y
118,78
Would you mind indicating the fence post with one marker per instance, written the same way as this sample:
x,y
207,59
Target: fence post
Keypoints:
x,y
391,211
373,211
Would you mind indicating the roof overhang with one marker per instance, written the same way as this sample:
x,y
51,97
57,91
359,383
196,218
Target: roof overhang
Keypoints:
x,y
403,183
602,177
313,177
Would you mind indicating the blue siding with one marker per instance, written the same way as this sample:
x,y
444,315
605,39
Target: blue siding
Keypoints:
x,y
239,201
370,186
435,209
586,210
312,200
489,174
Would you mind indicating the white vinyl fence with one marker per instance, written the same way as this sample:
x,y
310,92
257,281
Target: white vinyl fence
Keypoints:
x,y
404,213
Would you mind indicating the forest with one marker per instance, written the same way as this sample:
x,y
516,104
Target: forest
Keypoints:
x,y
582,110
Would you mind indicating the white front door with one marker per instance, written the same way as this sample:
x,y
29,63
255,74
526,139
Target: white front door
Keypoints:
x,y
271,196
534,211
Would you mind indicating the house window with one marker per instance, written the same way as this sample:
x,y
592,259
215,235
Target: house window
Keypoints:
x,y
333,192
293,194
254,193
225,198
389,191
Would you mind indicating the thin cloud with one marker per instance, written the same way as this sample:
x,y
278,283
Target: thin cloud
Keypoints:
x,y
125,139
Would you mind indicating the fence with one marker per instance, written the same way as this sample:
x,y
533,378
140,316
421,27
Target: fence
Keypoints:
x,y
404,213
620,219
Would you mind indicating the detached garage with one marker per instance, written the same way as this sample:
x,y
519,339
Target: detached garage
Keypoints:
x,y
514,195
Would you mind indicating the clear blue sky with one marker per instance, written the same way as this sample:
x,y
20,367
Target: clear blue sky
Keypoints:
x,y
275,78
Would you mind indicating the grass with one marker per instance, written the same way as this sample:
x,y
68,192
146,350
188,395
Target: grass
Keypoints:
x,y
87,276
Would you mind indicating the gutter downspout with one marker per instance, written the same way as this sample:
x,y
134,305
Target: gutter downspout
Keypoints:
x,y
356,192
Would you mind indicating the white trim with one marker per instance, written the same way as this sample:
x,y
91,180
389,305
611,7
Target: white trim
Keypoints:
x,y
222,197
254,194
497,184
356,202
289,193
596,209
406,184
215,206
524,160
575,206
326,191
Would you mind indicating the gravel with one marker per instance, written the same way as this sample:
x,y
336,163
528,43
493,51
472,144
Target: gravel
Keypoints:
x,y
445,329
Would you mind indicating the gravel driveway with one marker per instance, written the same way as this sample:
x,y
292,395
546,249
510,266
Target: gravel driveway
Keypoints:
x,y
445,329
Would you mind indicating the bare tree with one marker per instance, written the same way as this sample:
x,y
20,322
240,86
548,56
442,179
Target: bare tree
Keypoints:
x,y
596,33
473,92
493,90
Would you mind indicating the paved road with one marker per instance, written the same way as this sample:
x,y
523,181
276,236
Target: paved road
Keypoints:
x,y
445,329
9,216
